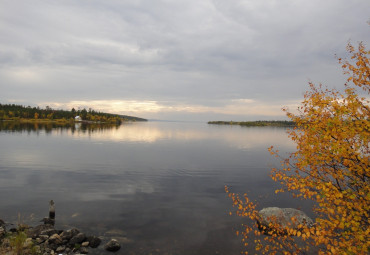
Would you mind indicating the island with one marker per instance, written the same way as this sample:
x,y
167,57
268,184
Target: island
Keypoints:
x,y
259,123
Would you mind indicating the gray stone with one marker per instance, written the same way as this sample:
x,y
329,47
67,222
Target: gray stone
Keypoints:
x,y
48,221
66,235
112,245
79,238
74,231
94,241
283,217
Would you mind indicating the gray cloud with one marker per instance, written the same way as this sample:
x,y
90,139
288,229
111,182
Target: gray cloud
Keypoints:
x,y
196,53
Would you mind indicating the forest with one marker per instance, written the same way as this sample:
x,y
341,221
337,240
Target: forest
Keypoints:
x,y
259,123
20,112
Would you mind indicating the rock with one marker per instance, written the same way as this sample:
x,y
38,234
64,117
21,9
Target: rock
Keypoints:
x,y
48,221
2,231
28,243
84,250
66,235
37,249
36,231
5,243
284,217
60,249
22,227
74,231
55,239
94,241
46,240
85,244
38,240
79,238
49,232
2,223
42,238
112,245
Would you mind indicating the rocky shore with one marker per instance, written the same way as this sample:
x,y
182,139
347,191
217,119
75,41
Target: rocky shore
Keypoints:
x,y
44,239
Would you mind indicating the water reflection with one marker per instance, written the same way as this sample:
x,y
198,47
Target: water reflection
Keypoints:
x,y
152,132
158,186
49,127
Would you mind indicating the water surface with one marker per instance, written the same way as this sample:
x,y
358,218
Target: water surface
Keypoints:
x,y
158,187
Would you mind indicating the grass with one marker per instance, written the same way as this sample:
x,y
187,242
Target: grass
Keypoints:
x,y
17,243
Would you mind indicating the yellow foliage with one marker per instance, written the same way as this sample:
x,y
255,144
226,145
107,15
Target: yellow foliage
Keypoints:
x,y
331,167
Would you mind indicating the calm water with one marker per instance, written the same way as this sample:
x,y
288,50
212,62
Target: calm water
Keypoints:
x,y
156,187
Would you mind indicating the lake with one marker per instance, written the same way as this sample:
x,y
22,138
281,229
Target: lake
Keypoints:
x,y
157,187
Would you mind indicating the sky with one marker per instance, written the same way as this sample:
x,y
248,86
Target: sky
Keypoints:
x,y
175,60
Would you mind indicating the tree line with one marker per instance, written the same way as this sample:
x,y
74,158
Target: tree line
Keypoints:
x,y
18,112
259,123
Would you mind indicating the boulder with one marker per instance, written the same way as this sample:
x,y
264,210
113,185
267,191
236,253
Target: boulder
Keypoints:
x,y
94,241
283,217
112,245
78,239
66,235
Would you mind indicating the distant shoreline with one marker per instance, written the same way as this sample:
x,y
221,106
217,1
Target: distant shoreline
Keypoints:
x,y
61,121
35,114
259,123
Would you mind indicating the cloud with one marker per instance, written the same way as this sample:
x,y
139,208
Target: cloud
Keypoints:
x,y
195,55
236,108
24,75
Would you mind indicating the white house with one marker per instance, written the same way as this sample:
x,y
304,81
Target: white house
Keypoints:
x,y
78,118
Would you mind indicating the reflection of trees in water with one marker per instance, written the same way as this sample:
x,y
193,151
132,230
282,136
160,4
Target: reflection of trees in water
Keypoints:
x,y
49,127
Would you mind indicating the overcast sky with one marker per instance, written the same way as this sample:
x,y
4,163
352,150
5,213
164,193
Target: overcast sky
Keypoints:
x,y
175,60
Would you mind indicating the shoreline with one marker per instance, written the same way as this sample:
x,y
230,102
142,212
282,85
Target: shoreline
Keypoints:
x,y
259,123
61,121
47,240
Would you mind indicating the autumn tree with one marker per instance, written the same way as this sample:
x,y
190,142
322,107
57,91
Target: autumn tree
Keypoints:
x,y
331,167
